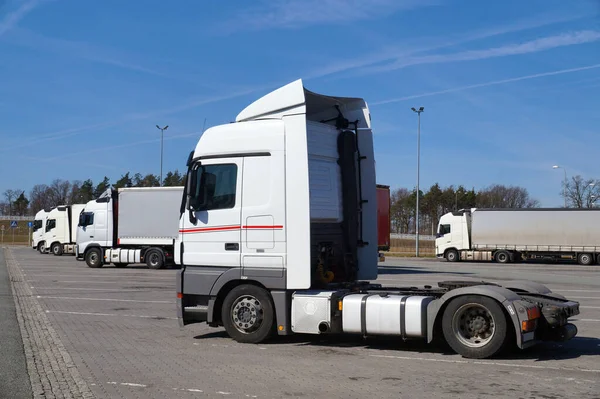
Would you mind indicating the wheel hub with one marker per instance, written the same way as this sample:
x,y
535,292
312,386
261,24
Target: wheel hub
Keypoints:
x,y
473,325
247,314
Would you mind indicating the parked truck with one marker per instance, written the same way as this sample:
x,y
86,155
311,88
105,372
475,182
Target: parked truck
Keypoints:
x,y
514,235
60,234
278,235
130,225
37,231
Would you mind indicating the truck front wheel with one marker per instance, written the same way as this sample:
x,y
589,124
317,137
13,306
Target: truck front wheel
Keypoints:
x,y
248,314
93,258
57,249
475,326
452,255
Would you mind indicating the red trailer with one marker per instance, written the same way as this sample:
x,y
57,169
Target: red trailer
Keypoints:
x,y
383,218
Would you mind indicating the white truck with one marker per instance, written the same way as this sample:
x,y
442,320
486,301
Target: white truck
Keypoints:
x,y
60,233
37,231
278,235
514,235
130,225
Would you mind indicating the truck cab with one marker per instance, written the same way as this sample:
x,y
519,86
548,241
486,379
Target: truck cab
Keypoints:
x,y
61,229
452,235
95,225
37,231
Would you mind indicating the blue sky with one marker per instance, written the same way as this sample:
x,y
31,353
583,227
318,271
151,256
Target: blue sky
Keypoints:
x,y
509,88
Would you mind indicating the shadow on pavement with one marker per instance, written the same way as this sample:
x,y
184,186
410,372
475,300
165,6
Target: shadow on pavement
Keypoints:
x,y
334,344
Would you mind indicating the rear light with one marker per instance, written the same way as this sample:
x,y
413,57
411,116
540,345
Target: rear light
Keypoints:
x,y
533,313
179,295
528,325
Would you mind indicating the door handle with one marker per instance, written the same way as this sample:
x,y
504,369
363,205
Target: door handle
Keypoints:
x,y
232,246
91,236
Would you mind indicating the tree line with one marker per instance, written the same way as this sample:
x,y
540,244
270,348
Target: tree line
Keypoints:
x,y
65,192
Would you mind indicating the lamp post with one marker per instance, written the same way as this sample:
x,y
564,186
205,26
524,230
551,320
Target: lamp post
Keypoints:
x,y
162,131
418,111
565,185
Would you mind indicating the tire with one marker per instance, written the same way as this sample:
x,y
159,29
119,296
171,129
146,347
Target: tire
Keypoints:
x,y
452,255
41,247
56,249
502,257
585,259
93,258
155,259
465,313
121,265
251,304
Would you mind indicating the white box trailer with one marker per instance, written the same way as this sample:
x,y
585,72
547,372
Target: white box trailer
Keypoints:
x,y
512,235
60,234
130,225
278,235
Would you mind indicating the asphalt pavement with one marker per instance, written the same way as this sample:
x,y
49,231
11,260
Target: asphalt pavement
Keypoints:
x,y
119,328
14,379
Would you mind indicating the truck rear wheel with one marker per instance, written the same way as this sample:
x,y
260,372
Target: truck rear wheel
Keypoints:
x,y
93,258
248,314
475,326
57,249
585,259
502,257
155,259
452,255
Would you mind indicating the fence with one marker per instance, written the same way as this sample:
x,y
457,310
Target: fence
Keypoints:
x,y
422,237
25,218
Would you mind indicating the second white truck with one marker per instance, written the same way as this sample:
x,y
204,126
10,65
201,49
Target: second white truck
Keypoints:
x,y
513,235
130,225
60,232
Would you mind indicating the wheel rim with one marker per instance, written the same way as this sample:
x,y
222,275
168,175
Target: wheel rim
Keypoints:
x,y
154,259
93,258
55,249
473,325
247,314
585,259
451,256
502,257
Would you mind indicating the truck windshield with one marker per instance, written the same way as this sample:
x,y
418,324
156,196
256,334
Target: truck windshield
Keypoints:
x,y
37,224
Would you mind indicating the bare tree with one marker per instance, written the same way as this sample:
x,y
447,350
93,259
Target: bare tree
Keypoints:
x,y
500,196
59,192
581,193
11,196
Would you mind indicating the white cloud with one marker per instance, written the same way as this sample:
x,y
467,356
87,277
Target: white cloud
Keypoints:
x,y
532,46
13,18
289,14
486,84
394,53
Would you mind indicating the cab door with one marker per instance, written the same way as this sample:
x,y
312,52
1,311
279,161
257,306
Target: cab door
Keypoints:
x,y
211,230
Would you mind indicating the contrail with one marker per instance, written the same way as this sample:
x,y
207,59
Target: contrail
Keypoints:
x,y
486,84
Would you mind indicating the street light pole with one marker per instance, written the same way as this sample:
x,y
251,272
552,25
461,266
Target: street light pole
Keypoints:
x,y
162,131
418,111
565,184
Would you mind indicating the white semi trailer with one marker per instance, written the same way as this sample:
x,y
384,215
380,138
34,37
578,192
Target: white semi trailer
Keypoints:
x,y
60,234
130,225
37,231
278,235
513,235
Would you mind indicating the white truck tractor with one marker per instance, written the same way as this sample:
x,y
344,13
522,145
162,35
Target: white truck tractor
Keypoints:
x,y
37,231
278,235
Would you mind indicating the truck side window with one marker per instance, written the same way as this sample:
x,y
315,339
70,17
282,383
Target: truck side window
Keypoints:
x,y
444,229
218,186
50,224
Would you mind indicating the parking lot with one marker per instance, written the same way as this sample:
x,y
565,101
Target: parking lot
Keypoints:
x,y
119,330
